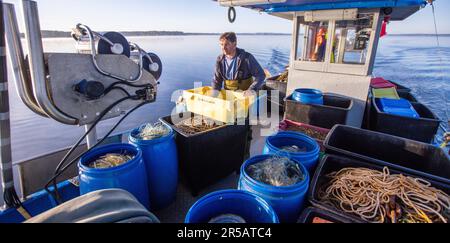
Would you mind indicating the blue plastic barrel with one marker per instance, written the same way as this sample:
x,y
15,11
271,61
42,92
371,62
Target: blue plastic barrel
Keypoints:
x,y
288,202
231,206
161,163
129,176
309,159
308,96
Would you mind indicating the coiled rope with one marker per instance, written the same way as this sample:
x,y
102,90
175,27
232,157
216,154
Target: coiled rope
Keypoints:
x,y
380,197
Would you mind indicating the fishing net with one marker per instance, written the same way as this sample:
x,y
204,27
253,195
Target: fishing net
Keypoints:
x,y
197,124
276,171
153,131
110,161
227,219
294,149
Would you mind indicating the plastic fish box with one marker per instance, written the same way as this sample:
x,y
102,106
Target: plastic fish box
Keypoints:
x,y
399,107
407,96
385,93
272,84
414,157
334,111
207,157
319,134
401,87
333,163
421,129
380,83
228,107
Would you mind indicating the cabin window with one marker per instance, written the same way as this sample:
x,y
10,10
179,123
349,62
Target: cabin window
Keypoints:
x,y
315,45
352,40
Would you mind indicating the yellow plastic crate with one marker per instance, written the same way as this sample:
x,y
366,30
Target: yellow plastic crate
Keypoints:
x,y
390,93
227,108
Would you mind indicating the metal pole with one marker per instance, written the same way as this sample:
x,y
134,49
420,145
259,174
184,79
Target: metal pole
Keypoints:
x,y
5,128
92,136
37,65
17,61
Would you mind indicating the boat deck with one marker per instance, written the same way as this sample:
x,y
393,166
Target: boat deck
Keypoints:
x,y
177,212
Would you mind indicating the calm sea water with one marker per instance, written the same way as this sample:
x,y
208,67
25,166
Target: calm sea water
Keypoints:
x,y
412,61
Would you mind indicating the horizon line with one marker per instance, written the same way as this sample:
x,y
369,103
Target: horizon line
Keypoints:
x,y
218,33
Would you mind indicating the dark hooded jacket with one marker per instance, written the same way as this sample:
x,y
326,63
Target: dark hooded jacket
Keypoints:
x,y
247,67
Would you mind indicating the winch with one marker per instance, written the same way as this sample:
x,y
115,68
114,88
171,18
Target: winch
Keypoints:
x,y
105,78
75,88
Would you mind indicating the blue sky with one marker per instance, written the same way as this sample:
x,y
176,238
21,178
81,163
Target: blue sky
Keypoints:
x,y
194,16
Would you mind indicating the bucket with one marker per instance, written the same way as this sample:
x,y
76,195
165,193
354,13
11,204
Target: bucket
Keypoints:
x,y
287,201
308,96
161,163
129,176
309,158
335,110
231,206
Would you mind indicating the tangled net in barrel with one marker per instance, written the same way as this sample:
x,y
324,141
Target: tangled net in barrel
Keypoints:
x,y
110,161
380,197
276,171
196,124
294,149
153,131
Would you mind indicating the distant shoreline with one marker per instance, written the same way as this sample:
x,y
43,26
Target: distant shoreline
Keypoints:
x,y
64,34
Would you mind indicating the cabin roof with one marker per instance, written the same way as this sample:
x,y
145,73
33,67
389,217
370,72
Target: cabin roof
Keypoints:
x,y
401,8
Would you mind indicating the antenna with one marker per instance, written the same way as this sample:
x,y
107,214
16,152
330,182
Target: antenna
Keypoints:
x,y
431,2
435,22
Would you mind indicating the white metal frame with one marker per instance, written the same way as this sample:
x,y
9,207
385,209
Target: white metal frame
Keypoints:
x,y
350,80
327,66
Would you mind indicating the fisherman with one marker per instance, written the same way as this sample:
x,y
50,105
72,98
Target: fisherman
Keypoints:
x,y
236,69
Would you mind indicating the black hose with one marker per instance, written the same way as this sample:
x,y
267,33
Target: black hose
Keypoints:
x,y
128,84
61,163
62,170
109,89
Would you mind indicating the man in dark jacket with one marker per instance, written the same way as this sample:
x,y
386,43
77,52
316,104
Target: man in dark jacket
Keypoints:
x,y
237,69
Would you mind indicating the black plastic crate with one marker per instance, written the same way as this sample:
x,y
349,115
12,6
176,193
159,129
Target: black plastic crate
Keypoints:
x,y
334,111
310,213
407,96
371,111
401,87
272,85
414,157
332,163
423,129
206,158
